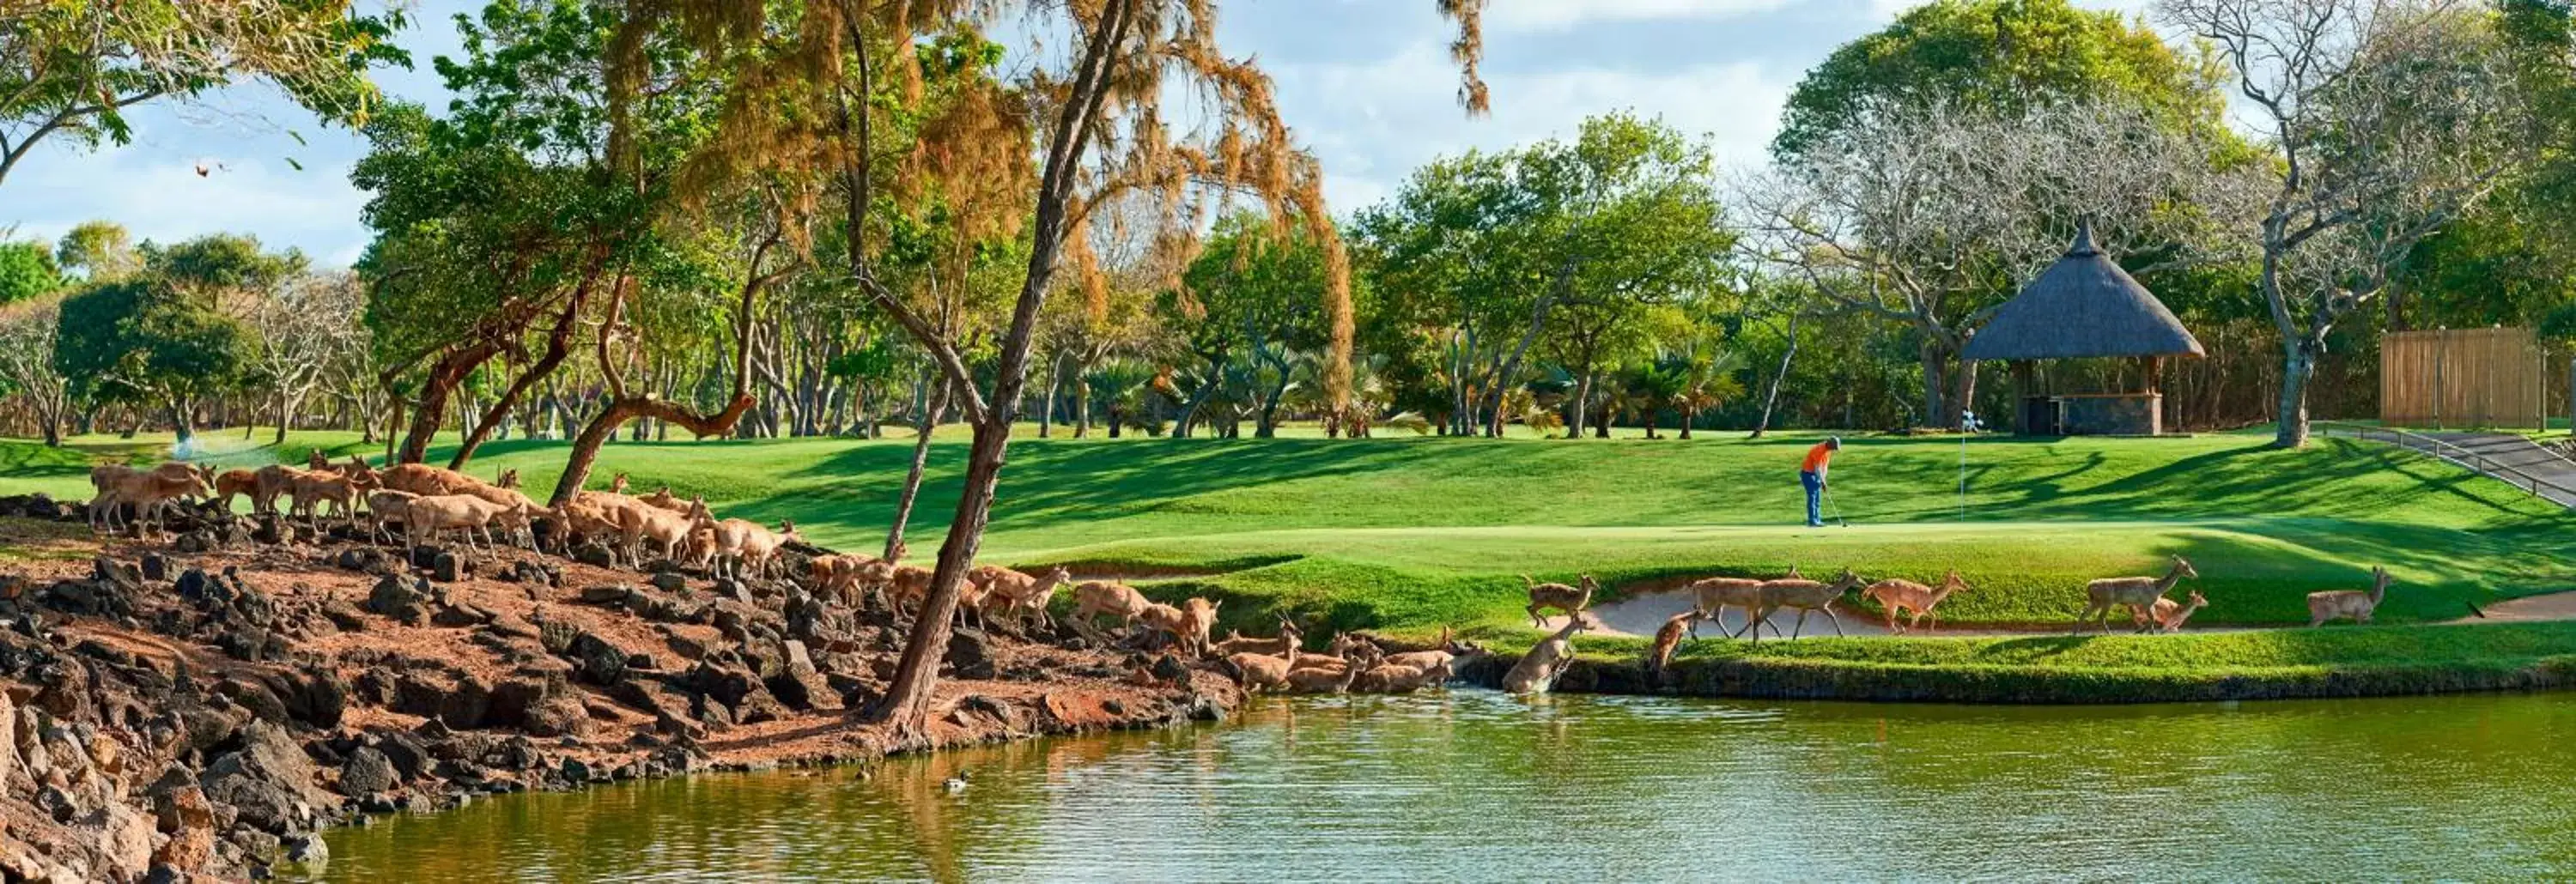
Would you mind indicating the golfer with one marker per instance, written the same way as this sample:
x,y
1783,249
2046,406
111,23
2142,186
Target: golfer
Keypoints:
x,y
1812,474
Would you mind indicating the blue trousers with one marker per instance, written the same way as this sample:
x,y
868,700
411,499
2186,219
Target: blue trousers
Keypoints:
x,y
1815,494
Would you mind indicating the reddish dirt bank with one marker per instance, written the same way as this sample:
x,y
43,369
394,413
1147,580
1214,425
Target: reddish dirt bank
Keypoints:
x,y
171,716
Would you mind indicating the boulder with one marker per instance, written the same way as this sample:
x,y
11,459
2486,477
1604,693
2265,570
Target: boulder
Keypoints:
x,y
269,782
594,555
670,581
448,568
397,599
121,574
183,813
155,568
597,660
606,594
367,772
970,654
365,559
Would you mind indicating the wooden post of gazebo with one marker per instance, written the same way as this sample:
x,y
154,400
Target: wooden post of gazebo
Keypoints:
x,y
2083,307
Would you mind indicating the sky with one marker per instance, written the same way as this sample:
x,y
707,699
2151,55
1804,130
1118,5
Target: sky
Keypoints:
x,y
1366,84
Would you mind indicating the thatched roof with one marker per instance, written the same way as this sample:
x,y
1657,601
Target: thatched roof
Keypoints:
x,y
2084,306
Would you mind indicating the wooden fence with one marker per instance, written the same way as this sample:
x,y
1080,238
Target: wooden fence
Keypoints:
x,y
2470,377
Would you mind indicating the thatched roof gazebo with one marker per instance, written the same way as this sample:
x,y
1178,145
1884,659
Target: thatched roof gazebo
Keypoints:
x,y
2084,307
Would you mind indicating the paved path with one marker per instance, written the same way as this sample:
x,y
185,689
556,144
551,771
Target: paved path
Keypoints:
x,y
2508,457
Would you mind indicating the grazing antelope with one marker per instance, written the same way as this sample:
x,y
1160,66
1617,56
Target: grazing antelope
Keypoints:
x,y
1537,670
2353,603
1165,619
1571,600
2170,615
311,489
1896,596
1666,639
148,490
2139,593
1806,596
837,576
745,543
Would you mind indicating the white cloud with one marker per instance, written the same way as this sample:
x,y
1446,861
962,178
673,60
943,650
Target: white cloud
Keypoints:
x,y
1558,15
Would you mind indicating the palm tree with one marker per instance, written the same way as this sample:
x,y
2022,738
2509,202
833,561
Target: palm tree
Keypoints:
x,y
1646,388
1708,381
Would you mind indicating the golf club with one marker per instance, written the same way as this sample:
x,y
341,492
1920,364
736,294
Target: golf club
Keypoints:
x,y
1834,511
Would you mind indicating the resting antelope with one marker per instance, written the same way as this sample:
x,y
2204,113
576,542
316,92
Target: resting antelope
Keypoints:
x,y
1571,600
1235,643
1896,596
2139,593
2353,603
2170,615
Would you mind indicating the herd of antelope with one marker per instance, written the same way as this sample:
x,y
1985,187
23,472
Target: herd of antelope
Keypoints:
x,y
431,502
2145,597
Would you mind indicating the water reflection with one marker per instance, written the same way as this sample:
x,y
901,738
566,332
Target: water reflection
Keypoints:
x,y
1477,786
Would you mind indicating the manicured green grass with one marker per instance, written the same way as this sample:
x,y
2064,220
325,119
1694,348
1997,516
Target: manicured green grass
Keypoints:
x,y
1408,533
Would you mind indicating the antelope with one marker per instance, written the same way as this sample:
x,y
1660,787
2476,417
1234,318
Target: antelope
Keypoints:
x,y
384,503
1894,596
1666,639
314,460
312,488
270,482
1806,596
1157,617
429,515
1401,678
2353,603
425,480
235,483
1322,680
837,576
1537,670
1559,596
1289,637
2170,615
2139,593
909,584
662,498
509,478
1258,671
1198,615
1440,657
1094,598
663,527
745,542
1019,594
1711,598
148,490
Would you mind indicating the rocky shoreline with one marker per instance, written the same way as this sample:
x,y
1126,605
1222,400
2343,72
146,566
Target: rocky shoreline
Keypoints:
x,y
200,709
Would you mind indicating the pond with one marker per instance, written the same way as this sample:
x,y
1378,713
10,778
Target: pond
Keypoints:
x,y
1475,785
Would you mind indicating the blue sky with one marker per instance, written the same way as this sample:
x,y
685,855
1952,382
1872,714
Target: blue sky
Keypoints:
x,y
1367,84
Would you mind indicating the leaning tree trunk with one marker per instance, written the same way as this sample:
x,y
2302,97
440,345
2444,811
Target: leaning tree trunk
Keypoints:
x,y
1935,383
179,421
1582,409
1771,391
912,478
444,376
558,345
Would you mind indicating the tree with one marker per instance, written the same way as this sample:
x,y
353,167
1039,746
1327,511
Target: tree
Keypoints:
x,y
307,333
1247,302
170,334
101,250
27,329
2389,121
1929,217
26,270
147,340
71,69
1098,119
1996,56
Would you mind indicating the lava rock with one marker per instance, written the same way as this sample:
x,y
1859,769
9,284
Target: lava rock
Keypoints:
x,y
155,567
970,654
404,602
669,581
367,772
446,567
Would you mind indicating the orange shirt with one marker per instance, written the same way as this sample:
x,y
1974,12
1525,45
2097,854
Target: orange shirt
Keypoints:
x,y
1816,458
